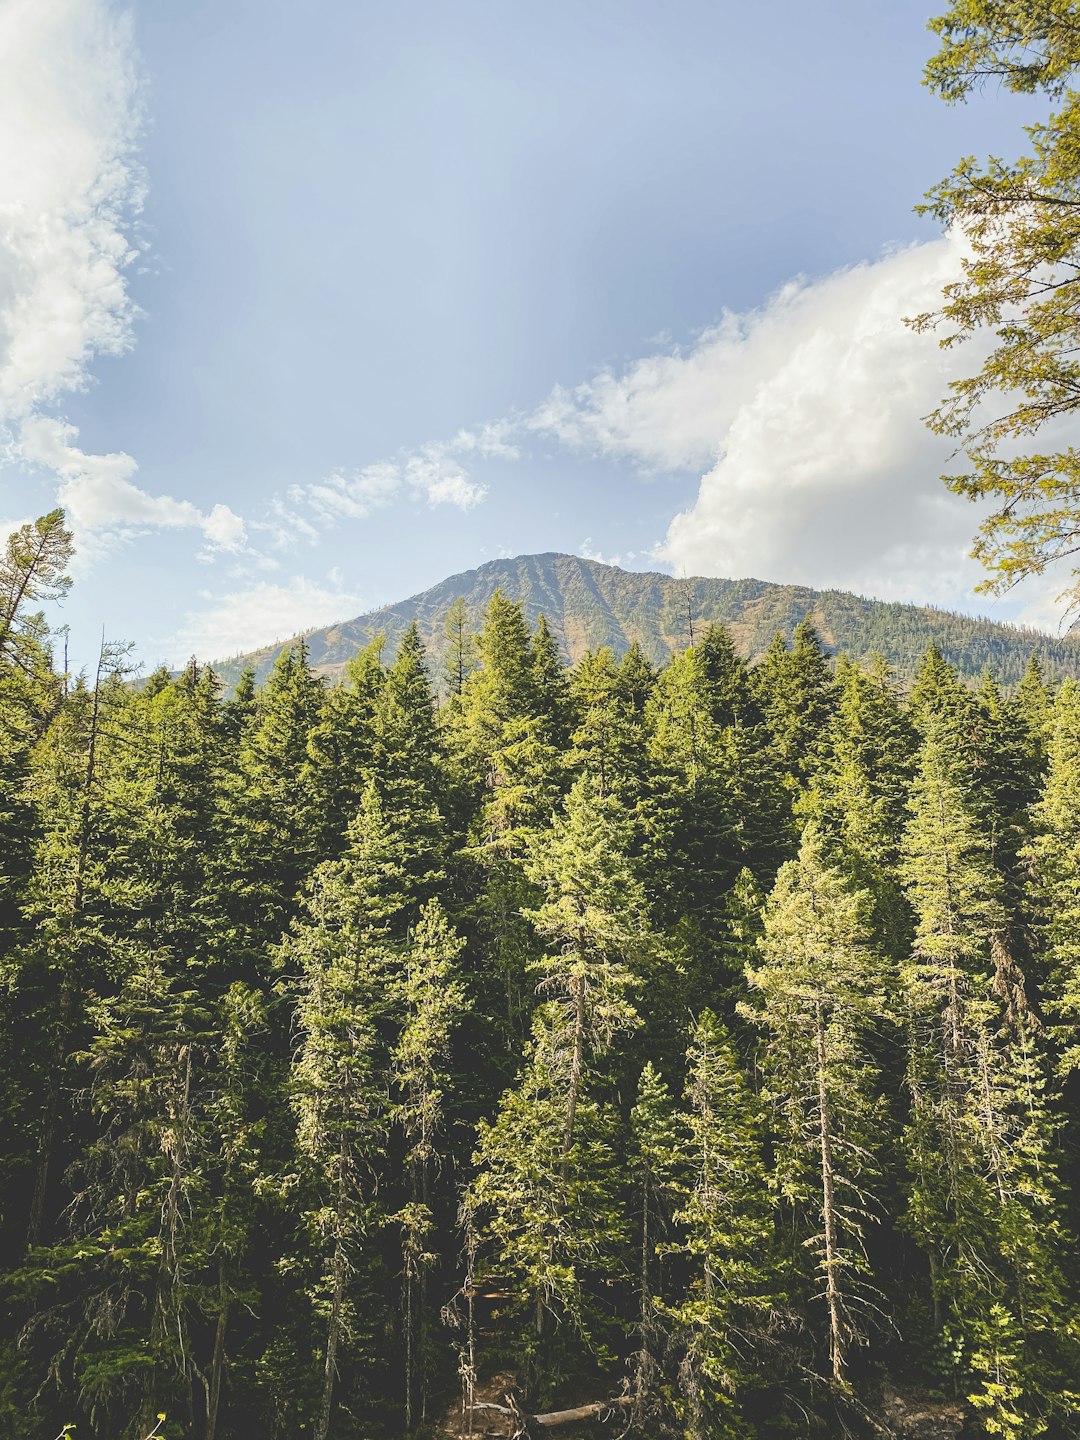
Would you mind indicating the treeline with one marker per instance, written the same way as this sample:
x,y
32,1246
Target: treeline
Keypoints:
x,y
589,606
703,1038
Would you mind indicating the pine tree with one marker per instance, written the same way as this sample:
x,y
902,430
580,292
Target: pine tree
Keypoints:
x,y
549,1218
501,734
609,737
592,918
859,793
727,1224
543,1184
269,840
550,685
341,948
659,1161
33,567
821,1002
636,677
340,747
978,1143
233,1162
432,1002
939,701
115,1293
80,898
717,804
688,743
405,765
795,691
1032,704
504,687
1054,854
461,649
239,709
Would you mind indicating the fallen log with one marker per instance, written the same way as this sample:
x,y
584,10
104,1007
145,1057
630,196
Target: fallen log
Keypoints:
x,y
553,1418
582,1412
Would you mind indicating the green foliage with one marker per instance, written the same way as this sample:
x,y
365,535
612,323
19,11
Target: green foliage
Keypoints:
x,y
1054,853
726,1224
344,1037
33,567
1018,221
822,999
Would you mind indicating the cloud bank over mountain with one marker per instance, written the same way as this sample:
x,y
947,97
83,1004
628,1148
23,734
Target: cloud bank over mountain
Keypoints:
x,y
805,417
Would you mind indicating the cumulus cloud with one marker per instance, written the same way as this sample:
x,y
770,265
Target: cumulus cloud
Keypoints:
x,y
825,472
664,412
248,618
69,116
806,418
70,188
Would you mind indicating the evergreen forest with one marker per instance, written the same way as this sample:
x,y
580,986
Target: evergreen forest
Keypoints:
x,y
503,1047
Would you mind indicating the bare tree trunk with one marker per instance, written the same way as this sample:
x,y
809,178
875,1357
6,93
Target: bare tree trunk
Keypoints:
x,y
469,1397
527,1423
333,1333
577,1068
333,1325
217,1362
644,1257
828,1209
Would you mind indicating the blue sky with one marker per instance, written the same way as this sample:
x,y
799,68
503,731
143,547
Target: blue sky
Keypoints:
x,y
304,307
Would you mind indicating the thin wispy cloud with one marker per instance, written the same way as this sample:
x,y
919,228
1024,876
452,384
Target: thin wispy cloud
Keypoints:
x,y
588,551
71,188
247,617
434,474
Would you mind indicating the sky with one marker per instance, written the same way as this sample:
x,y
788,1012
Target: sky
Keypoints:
x,y
304,307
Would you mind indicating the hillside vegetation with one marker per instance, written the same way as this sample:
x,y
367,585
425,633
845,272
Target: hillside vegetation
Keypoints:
x,y
687,1052
588,605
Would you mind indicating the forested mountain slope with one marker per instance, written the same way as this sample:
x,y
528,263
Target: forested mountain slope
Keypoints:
x,y
692,1050
588,605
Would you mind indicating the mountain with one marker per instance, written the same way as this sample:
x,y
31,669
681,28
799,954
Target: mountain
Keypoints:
x,y
588,605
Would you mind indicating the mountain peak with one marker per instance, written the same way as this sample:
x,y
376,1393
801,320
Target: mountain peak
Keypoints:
x,y
588,604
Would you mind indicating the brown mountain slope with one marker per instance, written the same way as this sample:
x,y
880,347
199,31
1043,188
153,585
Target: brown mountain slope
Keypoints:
x,y
588,605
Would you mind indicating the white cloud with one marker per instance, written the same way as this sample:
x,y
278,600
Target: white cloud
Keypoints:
x,y
70,188
100,499
436,477
493,441
431,473
826,473
247,619
352,495
665,412
69,116
588,551
807,415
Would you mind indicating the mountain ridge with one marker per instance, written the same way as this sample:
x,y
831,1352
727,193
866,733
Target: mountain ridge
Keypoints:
x,y
588,604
